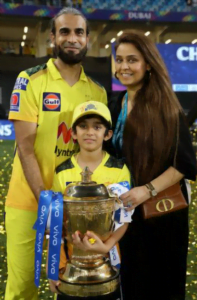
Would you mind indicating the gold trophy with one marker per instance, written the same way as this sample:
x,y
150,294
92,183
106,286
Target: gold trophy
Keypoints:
x,y
88,206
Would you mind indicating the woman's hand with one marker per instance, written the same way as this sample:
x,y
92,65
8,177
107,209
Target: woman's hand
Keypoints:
x,y
90,242
135,197
53,284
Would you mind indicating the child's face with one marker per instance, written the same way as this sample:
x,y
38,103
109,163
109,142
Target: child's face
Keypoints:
x,y
90,134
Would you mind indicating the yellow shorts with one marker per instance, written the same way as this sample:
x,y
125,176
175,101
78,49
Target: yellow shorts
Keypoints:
x,y
20,254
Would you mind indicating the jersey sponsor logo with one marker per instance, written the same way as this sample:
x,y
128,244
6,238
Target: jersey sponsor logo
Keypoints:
x,y
15,102
64,132
51,102
21,83
62,152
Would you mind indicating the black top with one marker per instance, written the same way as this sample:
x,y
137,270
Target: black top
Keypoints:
x,y
185,159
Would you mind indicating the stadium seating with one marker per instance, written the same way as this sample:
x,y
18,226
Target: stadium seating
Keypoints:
x,y
134,5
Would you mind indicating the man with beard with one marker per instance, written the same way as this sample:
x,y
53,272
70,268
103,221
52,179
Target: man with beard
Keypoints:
x,y
42,105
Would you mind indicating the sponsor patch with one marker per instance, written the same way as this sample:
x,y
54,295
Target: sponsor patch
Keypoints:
x,y
51,102
15,102
21,83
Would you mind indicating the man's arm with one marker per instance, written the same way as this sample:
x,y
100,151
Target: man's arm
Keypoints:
x,y
25,138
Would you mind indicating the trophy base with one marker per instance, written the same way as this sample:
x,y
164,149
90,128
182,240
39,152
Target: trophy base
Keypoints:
x,y
89,281
72,291
116,295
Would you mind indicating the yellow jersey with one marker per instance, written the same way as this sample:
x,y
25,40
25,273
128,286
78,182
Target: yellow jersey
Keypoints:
x,y
42,96
110,170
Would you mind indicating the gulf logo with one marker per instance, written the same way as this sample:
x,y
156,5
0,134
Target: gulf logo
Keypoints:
x,y
15,102
51,102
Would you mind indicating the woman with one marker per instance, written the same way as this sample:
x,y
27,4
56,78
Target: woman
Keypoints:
x,y
150,132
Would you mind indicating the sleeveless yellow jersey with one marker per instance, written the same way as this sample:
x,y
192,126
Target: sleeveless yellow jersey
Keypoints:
x,y
110,170
42,96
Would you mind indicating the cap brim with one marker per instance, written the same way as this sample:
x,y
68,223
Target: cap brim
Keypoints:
x,y
91,112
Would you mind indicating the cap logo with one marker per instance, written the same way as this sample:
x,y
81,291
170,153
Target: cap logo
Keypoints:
x,y
90,106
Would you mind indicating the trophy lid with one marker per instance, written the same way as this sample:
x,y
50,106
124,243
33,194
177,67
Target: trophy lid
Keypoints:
x,y
86,189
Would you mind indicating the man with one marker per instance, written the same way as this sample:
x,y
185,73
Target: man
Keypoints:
x,y
42,104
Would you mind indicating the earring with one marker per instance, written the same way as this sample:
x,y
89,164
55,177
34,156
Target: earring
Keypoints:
x,y
116,75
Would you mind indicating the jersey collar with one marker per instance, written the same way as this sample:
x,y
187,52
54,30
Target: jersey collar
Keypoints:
x,y
56,74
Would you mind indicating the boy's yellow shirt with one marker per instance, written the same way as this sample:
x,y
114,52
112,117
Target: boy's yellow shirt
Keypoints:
x,y
110,170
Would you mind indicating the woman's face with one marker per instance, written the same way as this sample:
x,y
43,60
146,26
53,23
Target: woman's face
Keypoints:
x,y
130,65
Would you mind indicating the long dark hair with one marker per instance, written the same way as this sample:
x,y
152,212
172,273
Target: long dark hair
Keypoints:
x,y
151,129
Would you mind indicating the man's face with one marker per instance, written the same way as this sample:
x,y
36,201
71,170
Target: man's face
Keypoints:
x,y
70,40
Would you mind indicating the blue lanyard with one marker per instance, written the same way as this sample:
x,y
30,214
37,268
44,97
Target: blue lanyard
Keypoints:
x,y
117,138
56,200
39,226
55,236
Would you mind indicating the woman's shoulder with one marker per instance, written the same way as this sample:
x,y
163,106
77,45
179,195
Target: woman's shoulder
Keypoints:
x,y
115,99
114,104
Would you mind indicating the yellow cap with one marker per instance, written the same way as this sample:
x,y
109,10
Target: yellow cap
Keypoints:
x,y
92,108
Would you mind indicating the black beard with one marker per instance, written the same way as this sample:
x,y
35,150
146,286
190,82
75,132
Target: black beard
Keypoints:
x,y
70,58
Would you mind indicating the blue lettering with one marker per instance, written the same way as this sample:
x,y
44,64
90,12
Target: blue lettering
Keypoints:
x,y
113,253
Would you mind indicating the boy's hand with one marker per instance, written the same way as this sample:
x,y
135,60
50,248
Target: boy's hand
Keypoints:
x,y
90,242
53,284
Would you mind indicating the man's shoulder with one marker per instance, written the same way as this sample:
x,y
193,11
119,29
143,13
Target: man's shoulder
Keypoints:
x,y
36,71
114,162
66,165
95,83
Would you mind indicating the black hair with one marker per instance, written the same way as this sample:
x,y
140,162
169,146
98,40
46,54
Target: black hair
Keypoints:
x,y
68,11
83,118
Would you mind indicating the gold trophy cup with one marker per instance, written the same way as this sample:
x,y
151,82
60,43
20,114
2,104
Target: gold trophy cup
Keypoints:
x,y
88,206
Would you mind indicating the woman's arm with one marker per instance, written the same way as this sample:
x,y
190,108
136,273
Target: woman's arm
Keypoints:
x,y
140,194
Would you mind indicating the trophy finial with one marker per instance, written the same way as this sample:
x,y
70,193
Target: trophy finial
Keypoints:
x,y
86,175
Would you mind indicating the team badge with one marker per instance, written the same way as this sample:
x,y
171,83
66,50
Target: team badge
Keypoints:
x,y
21,84
51,102
15,102
90,106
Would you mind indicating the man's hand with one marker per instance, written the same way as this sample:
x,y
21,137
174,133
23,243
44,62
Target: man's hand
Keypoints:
x,y
53,284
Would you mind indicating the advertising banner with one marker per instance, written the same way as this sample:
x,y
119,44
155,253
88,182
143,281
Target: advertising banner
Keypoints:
x,y
6,130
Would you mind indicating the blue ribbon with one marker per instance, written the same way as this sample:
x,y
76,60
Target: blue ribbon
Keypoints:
x,y
117,139
55,236
40,225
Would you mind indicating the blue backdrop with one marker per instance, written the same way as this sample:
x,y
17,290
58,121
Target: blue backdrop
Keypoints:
x,y
6,130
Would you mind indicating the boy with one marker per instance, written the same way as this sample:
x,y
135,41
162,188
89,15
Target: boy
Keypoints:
x,y
91,127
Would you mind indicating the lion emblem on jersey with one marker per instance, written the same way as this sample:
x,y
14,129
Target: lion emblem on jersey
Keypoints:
x,y
90,106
